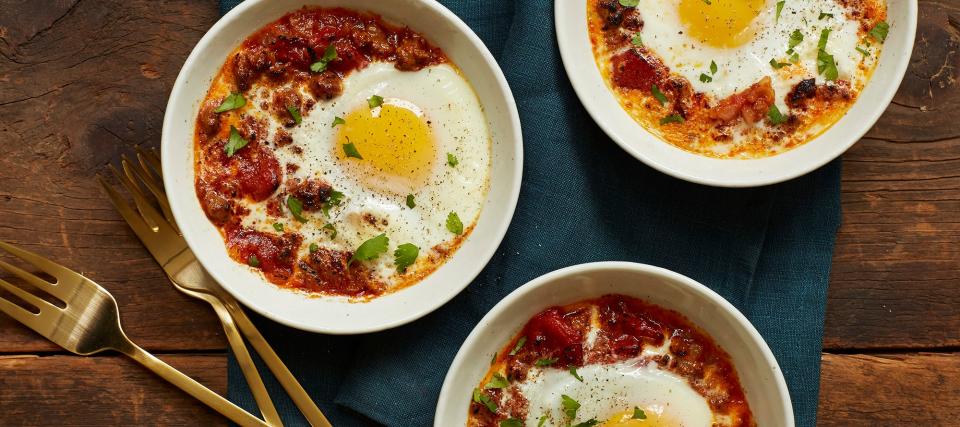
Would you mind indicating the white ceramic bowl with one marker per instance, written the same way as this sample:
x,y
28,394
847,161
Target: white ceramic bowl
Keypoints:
x,y
571,16
759,373
334,314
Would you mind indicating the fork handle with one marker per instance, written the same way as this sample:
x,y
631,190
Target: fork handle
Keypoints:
x,y
286,379
191,387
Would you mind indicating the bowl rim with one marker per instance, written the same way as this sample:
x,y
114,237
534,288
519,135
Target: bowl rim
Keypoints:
x,y
547,279
595,108
425,306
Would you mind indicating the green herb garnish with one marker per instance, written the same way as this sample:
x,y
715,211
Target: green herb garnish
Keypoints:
x,y
405,255
573,371
338,121
518,346
629,3
351,150
713,67
511,422
779,9
824,15
375,101
278,226
231,102
314,247
370,249
775,116
777,65
452,160
543,420
410,203
880,31
636,40
484,400
295,113
296,208
825,62
329,54
546,361
330,230
657,94
253,261
453,223
588,423
673,118
796,37
570,406
638,414
705,78
862,51
497,381
235,143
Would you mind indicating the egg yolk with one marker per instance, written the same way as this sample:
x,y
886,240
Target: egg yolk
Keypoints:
x,y
720,23
625,419
395,147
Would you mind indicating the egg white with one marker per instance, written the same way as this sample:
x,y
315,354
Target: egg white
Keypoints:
x,y
458,126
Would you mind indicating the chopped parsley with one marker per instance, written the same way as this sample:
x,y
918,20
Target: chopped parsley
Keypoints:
x,y
629,3
795,57
636,40
588,423
484,400
775,116
314,247
453,223
713,67
796,37
863,51
825,62
295,113
253,261
410,203
779,9
370,249
824,15
777,65
705,78
405,255
351,150
518,346
375,101
543,420
511,422
673,118
235,143
573,371
330,230
880,31
334,200
329,54
231,102
278,226
498,381
638,414
452,160
546,361
570,406
338,121
296,208
822,43
657,94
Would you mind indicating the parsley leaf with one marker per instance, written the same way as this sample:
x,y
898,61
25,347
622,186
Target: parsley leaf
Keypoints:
x,y
253,261
705,78
795,58
453,223
638,414
636,40
824,15
673,118
375,101
410,203
236,142
570,406
296,208
546,361
338,121
498,381
351,150
484,400
278,226
775,116
777,65
795,38
863,51
822,43
543,420
713,67
629,3
295,113
518,346
511,422
825,62
588,423
314,247
334,200
452,160
880,31
331,230
659,95
405,255
779,9
231,102
329,54
573,371
370,249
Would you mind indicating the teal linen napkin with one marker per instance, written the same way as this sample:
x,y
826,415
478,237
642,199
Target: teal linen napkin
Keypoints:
x,y
767,250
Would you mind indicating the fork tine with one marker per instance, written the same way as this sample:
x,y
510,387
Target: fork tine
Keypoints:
x,y
151,157
135,221
21,315
56,290
27,296
150,215
63,274
144,175
138,197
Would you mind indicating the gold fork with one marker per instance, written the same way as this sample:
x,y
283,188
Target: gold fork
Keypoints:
x,y
159,233
90,323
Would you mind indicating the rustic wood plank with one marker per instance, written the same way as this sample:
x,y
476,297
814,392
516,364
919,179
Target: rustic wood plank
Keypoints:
x,y
888,390
896,268
81,83
107,390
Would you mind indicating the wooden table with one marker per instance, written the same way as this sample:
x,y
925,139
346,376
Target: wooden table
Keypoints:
x,y
82,82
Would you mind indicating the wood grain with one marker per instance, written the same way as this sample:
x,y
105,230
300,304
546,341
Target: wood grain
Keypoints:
x,y
105,390
890,390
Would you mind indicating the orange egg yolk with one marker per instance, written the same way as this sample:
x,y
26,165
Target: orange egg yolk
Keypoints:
x,y
395,146
720,23
626,419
